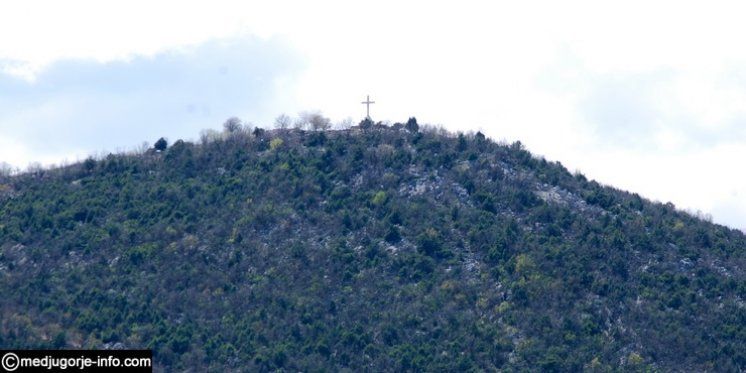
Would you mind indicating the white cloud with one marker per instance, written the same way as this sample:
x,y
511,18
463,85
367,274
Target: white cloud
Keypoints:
x,y
83,104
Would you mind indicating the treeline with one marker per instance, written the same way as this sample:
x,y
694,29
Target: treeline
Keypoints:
x,y
372,247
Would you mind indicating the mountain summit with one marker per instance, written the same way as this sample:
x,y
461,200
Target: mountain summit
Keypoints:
x,y
367,249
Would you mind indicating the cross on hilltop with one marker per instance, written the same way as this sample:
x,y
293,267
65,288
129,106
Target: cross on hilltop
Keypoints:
x,y
367,103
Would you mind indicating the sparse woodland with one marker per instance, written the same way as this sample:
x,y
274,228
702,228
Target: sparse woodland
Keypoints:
x,y
364,249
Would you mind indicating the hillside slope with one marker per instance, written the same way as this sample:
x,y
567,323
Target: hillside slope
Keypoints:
x,y
377,249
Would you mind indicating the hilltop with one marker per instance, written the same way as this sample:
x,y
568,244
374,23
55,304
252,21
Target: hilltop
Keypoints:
x,y
377,248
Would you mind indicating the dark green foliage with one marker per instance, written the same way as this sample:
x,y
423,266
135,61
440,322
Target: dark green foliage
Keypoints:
x,y
412,125
374,250
430,243
160,145
393,235
366,123
89,164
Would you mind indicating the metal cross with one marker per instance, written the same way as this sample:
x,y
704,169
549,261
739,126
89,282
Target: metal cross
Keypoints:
x,y
367,103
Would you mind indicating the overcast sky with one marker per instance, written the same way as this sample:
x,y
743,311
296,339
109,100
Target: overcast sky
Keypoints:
x,y
645,96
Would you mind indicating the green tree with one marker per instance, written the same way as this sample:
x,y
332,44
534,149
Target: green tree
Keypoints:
x,y
161,144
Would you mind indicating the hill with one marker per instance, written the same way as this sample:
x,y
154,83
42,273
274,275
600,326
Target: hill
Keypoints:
x,y
376,249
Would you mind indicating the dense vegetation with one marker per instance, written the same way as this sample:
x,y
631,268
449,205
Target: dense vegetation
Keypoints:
x,y
371,248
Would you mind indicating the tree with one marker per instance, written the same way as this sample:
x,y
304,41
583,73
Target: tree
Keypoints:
x,y
283,121
35,168
161,144
462,145
60,340
209,135
89,164
320,122
232,124
430,244
345,124
299,124
393,236
366,123
6,169
315,120
143,148
412,125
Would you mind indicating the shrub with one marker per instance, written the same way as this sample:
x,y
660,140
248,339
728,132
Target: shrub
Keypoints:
x,y
275,143
379,198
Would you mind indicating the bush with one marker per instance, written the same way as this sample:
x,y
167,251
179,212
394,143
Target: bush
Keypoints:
x,y
275,143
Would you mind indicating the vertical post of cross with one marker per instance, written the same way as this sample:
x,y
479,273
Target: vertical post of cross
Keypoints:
x,y
367,103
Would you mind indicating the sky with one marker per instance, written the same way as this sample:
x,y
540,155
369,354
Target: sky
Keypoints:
x,y
645,96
